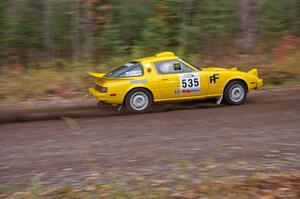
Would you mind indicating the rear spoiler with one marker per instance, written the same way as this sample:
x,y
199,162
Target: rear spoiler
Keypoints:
x,y
102,76
253,72
93,74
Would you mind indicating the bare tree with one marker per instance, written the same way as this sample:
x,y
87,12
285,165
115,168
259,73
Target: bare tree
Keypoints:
x,y
294,15
74,31
47,36
247,13
185,19
13,8
88,31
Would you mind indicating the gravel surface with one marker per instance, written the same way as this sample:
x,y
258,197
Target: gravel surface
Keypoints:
x,y
263,134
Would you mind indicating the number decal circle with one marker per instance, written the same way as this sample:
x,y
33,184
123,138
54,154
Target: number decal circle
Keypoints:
x,y
189,82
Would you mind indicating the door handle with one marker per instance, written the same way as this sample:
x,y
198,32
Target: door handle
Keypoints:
x,y
165,79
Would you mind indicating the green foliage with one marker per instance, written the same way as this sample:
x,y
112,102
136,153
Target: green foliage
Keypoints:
x,y
3,27
108,42
36,188
215,20
205,26
273,20
60,23
68,29
28,33
154,36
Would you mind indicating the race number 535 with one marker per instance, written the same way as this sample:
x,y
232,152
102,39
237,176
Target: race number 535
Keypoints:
x,y
190,81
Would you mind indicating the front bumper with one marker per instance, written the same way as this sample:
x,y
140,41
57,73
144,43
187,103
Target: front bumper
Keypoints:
x,y
259,83
102,97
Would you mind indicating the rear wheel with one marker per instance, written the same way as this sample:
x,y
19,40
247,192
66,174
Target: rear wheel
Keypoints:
x,y
235,93
138,100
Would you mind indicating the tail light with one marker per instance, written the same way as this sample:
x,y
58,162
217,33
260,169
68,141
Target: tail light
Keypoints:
x,y
100,88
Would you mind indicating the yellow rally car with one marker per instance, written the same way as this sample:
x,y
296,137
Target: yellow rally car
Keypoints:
x,y
166,77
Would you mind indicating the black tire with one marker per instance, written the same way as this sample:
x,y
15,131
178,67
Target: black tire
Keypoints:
x,y
235,93
141,94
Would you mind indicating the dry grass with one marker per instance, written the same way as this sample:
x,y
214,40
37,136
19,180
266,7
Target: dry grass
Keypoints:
x,y
42,84
62,79
259,185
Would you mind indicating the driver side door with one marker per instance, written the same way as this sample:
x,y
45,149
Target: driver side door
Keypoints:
x,y
178,80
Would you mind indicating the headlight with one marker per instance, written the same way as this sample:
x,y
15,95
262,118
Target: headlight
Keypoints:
x,y
100,88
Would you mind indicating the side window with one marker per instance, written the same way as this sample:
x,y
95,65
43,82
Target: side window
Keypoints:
x,y
171,66
134,72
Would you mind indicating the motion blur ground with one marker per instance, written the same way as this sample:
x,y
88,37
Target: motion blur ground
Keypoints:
x,y
180,151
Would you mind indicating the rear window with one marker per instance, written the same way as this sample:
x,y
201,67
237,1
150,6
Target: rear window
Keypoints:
x,y
130,69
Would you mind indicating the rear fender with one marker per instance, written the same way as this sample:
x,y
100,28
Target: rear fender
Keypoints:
x,y
154,94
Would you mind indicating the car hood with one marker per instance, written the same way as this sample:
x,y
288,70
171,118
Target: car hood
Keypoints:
x,y
219,69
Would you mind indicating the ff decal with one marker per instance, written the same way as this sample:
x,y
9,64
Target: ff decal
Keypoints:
x,y
213,78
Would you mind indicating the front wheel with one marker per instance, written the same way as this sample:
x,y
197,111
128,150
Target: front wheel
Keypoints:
x,y
138,100
235,93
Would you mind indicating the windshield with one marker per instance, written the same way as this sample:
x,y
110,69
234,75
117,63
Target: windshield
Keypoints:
x,y
130,69
197,68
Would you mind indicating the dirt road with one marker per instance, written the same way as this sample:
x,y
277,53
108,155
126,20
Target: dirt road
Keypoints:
x,y
265,131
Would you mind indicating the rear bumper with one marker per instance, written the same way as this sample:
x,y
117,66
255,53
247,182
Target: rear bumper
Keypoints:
x,y
102,97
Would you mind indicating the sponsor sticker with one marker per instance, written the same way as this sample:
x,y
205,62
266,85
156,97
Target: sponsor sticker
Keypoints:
x,y
189,83
138,81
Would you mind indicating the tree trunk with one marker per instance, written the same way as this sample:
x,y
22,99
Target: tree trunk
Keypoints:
x,y
247,11
88,32
294,6
13,52
47,36
185,19
74,31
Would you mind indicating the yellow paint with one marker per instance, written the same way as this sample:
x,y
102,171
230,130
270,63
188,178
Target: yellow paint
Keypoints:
x,y
163,86
93,74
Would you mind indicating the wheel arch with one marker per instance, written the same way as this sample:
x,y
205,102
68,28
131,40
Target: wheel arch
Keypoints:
x,y
230,80
237,79
138,87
